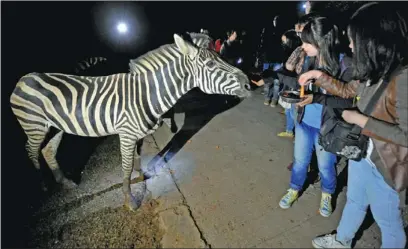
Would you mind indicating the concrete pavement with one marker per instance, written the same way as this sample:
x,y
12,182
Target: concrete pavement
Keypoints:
x,y
220,190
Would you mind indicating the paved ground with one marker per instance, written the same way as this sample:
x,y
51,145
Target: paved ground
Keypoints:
x,y
222,189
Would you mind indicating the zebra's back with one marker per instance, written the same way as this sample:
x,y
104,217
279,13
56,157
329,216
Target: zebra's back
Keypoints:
x,y
84,106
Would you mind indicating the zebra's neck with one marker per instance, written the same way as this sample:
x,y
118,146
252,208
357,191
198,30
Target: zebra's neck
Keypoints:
x,y
166,75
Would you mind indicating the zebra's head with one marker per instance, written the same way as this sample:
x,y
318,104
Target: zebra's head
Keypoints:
x,y
211,73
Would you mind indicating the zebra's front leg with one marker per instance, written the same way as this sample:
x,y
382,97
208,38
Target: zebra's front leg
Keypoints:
x,y
49,152
127,149
137,161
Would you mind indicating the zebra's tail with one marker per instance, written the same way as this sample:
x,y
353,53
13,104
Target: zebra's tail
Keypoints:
x,y
87,63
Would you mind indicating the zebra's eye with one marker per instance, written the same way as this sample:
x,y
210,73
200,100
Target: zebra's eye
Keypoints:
x,y
210,64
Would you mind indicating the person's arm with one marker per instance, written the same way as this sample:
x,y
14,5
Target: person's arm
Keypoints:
x,y
334,101
392,133
330,84
224,48
293,59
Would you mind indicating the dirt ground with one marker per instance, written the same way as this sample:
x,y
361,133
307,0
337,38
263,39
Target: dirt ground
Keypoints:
x,y
109,228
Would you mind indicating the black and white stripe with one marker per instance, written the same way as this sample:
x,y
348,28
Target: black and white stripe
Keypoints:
x,y
87,63
127,104
200,39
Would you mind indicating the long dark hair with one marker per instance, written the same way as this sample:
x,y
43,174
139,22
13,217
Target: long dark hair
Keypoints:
x,y
379,38
292,39
323,34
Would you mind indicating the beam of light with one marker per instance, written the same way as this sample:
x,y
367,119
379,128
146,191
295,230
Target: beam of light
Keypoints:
x,y
122,28
304,6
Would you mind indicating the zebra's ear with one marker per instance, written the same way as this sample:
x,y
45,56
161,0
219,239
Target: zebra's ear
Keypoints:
x,y
185,47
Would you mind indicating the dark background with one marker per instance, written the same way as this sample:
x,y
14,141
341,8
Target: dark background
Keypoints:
x,y
54,36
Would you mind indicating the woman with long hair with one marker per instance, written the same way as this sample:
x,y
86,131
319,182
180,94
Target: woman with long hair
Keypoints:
x,y
320,40
378,39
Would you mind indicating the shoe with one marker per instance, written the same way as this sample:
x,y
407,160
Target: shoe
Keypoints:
x,y
288,199
274,103
285,134
325,209
267,102
329,241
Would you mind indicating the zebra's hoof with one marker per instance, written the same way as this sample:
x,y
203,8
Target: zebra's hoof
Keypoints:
x,y
148,175
68,184
173,129
133,203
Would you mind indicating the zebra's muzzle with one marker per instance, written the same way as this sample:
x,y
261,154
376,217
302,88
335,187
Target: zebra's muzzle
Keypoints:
x,y
243,92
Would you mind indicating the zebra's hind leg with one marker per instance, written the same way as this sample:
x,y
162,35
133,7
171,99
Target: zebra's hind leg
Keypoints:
x,y
127,149
35,137
49,152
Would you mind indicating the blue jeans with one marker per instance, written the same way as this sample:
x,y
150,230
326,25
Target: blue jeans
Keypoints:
x,y
272,90
307,137
290,120
366,187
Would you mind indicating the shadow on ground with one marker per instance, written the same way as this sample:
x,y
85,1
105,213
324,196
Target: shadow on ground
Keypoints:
x,y
199,109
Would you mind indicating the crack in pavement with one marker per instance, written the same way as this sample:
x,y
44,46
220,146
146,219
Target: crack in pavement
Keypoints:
x,y
202,237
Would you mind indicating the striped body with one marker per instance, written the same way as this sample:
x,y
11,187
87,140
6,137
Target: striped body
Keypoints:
x,y
88,106
127,104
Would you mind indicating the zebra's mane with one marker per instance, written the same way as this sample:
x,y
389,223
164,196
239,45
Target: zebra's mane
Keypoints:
x,y
194,35
170,48
200,40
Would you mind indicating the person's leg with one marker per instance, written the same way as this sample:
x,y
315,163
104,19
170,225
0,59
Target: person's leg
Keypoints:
x,y
267,93
326,162
302,155
290,124
384,204
354,211
275,92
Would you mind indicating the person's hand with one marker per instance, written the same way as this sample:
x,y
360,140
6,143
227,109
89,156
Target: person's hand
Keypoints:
x,y
307,100
258,83
354,117
308,76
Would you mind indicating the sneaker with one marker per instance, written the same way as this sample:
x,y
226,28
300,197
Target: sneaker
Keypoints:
x,y
285,134
325,209
329,241
267,102
274,103
288,199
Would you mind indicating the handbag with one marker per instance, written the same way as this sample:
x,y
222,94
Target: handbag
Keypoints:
x,y
344,139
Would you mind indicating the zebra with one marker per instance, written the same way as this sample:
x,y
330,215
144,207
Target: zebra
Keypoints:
x,y
201,40
129,105
87,63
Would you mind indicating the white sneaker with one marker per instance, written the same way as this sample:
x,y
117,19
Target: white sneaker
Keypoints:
x,y
329,241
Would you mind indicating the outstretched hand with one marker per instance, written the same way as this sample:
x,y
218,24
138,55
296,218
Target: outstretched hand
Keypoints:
x,y
305,78
258,83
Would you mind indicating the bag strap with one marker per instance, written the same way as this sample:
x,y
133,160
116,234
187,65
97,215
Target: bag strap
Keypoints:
x,y
372,102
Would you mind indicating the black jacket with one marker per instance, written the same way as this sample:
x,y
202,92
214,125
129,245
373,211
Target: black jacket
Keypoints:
x,y
332,104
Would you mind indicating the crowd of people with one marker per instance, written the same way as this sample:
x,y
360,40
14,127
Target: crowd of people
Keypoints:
x,y
366,89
